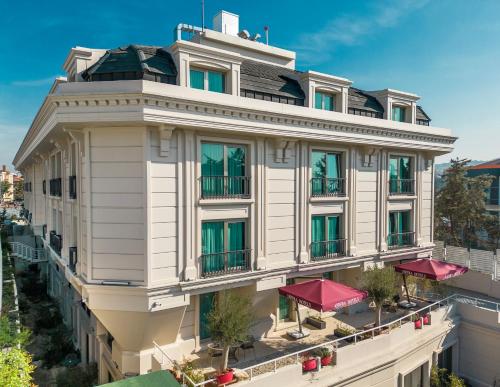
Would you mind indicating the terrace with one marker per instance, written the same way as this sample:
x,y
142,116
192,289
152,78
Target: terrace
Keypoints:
x,y
278,351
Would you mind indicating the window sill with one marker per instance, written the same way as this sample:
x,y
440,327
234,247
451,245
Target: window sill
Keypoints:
x,y
401,196
210,202
325,199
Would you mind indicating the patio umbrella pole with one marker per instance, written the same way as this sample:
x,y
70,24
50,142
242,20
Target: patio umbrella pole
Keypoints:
x,y
406,288
298,317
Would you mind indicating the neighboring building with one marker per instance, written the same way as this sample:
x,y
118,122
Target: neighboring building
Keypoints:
x,y
163,175
491,168
5,175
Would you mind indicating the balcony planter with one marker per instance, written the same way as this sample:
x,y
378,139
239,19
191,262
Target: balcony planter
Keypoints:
x,y
418,323
343,332
325,354
226,376
309,364
316,322
427,319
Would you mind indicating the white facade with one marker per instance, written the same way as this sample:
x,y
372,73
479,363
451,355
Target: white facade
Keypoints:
x,y
134,147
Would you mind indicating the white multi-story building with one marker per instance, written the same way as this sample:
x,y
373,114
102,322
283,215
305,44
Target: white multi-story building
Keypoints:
x,y
163,175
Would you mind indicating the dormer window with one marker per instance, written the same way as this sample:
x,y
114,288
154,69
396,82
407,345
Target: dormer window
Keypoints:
x,y
324,101
207,80
398,113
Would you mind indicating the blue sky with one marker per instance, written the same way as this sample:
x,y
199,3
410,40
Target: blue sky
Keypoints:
x,y
446,51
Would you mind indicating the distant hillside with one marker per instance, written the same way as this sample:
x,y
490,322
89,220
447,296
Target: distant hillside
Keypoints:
x,y
440,168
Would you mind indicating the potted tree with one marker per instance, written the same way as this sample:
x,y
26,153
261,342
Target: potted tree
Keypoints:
x,y
380,285
229,322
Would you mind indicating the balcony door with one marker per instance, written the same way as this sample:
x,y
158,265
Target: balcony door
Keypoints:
x,y
207,301
400,180
399,228
223,170
326,174
325,234
223,246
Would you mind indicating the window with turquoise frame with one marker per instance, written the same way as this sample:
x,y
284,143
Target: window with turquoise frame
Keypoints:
x,y
400,180
398,113
207,80
324,101
326,174
223,246
284,304
207,302
400,233
325,235
223,170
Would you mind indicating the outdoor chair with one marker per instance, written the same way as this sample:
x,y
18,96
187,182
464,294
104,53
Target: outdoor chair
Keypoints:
x,y
248,344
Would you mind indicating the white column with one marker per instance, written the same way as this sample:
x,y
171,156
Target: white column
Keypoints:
x,y
260,188
189,218
303,200
350,209
382,197
417,213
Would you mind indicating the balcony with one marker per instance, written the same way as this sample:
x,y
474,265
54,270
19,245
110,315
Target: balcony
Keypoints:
x,y
228,262
56,242
402,187
55,187
73,259
72,187
323,186
400,240
323,250
225,187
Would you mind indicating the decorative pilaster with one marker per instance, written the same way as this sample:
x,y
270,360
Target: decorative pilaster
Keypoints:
x,y
419,167
303,202
260,204
351,215
189,217
383,214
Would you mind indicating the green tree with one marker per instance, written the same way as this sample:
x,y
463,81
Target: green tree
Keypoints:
x,y
4,187
229,321
15,368
460,208
18,190
381,286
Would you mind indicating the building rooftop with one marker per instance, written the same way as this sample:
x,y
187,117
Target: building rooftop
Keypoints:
x,y
492,164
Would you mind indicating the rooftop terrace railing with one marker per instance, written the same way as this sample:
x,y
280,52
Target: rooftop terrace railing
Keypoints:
x,y
294,358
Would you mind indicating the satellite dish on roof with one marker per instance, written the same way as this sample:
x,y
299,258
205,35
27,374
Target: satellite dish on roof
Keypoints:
x,y
244,34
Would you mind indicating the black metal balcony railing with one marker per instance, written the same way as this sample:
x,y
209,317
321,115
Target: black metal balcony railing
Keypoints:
x,y
56,187
323,186
328,249
44,187
224,187
400,240
44,231
72,187
73,258
56,242
228,262
401,186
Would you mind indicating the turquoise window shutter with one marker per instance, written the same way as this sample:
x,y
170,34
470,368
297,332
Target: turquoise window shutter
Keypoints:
x,y
236,239
318,169
206,305
318,100
333,234
236,169
216,82
212,167
328,98
212,243
333,172
318,235
197,79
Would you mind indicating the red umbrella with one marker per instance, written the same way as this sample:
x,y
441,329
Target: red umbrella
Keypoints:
x,y
429,268
322,295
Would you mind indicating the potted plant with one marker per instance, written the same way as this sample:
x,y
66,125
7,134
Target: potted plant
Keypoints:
x,y
380,283
427,319
228,323
316,322
309,363
343,331
326,355
417,320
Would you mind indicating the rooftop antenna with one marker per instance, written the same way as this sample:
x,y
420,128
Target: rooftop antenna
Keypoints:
x,y
266,30
203,15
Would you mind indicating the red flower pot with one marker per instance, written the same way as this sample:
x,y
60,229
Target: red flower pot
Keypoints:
x,y
427,319
326,360
418,324
309,365
225,377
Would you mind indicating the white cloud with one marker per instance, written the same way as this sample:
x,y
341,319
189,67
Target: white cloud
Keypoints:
x,y
349,30
35,82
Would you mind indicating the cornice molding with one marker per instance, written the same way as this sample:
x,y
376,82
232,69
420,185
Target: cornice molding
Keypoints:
x,y
175,111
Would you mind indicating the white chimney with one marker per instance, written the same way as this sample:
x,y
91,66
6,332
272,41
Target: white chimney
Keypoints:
x,y
227,23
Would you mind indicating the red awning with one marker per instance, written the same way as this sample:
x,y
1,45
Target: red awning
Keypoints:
x,y
323,295
431,268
